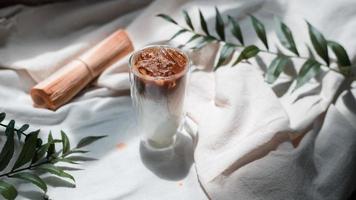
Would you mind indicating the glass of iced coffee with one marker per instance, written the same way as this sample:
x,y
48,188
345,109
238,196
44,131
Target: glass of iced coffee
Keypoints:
x,y
158,77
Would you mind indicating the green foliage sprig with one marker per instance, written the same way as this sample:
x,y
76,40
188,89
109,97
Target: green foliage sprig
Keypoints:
x,y
35,156
309,69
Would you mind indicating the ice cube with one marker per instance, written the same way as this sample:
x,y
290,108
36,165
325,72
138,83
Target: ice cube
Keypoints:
x,y
160,62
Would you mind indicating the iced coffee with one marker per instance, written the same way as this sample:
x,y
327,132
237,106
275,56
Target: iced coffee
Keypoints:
x,y
158,76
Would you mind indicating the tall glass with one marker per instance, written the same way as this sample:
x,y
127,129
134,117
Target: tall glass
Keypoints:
x,y
158,100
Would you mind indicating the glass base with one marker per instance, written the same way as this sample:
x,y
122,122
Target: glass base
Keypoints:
x,y
151,144
153,153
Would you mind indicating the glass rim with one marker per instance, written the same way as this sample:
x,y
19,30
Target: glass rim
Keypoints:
x,y
151,78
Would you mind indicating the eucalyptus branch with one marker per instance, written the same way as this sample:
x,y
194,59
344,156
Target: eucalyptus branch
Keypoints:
x,y
310,68
35,156
212,38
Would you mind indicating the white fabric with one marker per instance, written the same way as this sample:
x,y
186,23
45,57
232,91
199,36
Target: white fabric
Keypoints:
x,y
245,129
37,38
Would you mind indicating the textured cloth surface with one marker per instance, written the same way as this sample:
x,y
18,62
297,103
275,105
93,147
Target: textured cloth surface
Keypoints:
x,y
246,128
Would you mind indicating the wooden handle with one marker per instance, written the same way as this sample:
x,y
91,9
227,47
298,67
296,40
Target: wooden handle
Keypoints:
x,y
64,84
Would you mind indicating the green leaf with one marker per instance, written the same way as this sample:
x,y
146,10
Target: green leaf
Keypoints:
x,y
204,41
219,25
88,140
319,43
10,129
167,18
52,148
194,37
309,70
28,150
285,36
24,127
43,149
56,171
247,52
21,130
260,30
310,52
188,20
226,52
8,150
41,152
340,53
32,178
2,116
236,30
65,143
39,142
203,25
81,158
275,69
178,33
76,151
7,191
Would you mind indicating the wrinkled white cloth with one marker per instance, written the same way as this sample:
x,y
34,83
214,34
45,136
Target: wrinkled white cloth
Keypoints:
x,y
36,41
248,132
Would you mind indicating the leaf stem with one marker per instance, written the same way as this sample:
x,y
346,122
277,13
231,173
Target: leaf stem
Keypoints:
x,y
289,56
17,130
8,174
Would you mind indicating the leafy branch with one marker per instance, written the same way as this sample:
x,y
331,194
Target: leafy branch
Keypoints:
x,y
310,68
35,157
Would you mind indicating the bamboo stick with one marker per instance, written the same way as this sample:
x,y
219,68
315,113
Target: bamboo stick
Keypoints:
x,y
64,84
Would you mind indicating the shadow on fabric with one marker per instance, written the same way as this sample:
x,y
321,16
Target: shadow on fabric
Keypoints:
x,y
170,164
